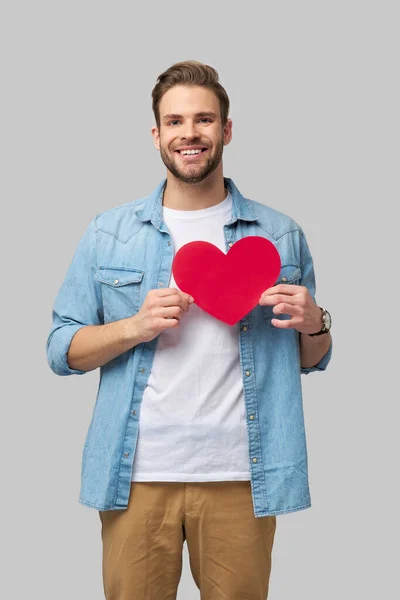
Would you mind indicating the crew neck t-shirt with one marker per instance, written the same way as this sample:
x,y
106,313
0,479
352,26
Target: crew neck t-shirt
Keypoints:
x,y
192,424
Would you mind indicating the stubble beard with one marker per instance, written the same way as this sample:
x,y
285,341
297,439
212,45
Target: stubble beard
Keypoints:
x,y
185,174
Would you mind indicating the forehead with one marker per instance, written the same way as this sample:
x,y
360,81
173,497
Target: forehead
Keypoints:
x,y
187,100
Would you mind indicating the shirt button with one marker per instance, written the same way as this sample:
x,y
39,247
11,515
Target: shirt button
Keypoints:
x,y
160,284
284,278
126,454
133,412
244,328
230,244
142,370
254,460
251,417
247,373
116,281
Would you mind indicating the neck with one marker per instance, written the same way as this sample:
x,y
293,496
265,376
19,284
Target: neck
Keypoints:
x,y
194,196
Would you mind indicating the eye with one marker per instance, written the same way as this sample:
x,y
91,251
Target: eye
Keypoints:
x,y
207,119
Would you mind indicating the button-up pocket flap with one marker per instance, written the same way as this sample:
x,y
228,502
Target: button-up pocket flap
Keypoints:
x,y
289,274
118,277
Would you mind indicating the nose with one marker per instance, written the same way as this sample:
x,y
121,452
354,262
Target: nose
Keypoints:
x,y
189,130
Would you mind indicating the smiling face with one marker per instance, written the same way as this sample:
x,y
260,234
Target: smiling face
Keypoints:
x,y
190,120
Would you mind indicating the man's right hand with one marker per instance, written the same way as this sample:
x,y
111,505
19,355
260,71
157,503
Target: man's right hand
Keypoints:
x,y
161,309
95,345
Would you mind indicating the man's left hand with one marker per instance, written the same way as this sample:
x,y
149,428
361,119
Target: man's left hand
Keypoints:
x,y
296,301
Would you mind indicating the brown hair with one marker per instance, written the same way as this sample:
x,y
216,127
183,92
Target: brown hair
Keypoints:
x,y
190,72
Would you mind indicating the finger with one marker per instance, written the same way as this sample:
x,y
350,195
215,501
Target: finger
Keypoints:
x,y
188,297
184,302
163,293
174,300
284,323
288,309
274,299
282,288
169,312
171,322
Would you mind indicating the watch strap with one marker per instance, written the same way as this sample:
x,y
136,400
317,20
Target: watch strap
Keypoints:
x,y
324,329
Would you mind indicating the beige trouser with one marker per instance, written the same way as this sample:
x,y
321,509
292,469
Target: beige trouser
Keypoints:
x,y
229,548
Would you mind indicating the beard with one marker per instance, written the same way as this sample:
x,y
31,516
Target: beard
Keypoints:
x,y
192,173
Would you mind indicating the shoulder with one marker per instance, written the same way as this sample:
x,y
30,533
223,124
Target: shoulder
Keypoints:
x,y
274,222
287,234
121,221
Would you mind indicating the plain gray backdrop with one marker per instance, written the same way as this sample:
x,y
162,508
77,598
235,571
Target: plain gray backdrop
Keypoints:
x,y
314,90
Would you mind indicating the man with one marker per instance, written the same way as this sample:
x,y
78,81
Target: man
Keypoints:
x,y
198,431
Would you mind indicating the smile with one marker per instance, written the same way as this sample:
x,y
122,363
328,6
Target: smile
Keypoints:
x,y
191,154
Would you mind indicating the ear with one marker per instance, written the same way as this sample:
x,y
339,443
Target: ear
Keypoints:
x,y
156,137
228,132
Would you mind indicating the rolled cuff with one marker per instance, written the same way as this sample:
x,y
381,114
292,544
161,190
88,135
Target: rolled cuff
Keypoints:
x,y
57,350
321,365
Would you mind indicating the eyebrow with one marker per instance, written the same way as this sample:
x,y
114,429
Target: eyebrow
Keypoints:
x,y
199,114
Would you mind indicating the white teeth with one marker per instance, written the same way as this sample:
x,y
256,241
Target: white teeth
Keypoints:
x,y
190,151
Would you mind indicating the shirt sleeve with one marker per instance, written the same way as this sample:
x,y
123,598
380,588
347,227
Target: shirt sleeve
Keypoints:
x,y
308,280
78,303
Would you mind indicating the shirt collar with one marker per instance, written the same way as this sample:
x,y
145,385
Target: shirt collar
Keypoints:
x,y
152,211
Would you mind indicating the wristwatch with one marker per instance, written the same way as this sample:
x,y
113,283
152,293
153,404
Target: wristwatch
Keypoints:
x,y
326,323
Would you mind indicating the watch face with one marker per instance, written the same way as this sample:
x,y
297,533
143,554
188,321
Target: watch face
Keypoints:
x,y
327,320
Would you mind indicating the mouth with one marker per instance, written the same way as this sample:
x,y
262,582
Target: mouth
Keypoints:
x,y
192,156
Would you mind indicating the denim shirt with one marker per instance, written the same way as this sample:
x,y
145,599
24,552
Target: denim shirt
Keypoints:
x,y
124,253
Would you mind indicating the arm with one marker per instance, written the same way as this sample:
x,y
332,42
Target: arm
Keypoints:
x,y
298,301
79,341
315,352
312,349
95,345
79,306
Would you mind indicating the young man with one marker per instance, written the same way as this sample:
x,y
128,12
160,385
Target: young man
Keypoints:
x,y
197,432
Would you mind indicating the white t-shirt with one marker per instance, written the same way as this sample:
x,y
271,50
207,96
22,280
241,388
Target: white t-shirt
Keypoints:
x,y
192,422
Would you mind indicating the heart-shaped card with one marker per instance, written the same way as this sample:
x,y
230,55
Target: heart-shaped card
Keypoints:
x,y
227,286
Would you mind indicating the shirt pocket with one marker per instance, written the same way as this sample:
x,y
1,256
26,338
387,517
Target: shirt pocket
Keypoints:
x,y
289,275
120,291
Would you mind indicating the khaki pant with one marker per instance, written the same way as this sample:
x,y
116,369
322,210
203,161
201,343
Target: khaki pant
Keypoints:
x,y
229,548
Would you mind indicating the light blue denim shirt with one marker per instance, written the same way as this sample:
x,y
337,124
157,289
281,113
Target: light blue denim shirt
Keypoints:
x,y
124,253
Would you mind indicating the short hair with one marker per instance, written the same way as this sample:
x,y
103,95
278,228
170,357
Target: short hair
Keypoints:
x,y
190,73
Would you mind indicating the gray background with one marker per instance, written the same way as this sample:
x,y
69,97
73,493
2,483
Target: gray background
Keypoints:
x,y
314,100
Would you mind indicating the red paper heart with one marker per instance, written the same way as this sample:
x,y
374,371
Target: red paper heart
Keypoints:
x,y
227,286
